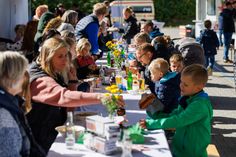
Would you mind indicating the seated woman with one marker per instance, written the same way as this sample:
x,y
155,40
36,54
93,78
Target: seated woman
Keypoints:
x,y
16,46
51,96
16,137
84,62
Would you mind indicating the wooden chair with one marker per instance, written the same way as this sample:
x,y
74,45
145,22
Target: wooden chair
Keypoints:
x,y
212,151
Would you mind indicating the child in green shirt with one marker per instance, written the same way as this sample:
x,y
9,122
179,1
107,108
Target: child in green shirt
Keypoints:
x,y
192,118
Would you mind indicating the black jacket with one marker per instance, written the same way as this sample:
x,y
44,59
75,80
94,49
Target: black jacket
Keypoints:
x,y
43,118
131,29
228,21
209,41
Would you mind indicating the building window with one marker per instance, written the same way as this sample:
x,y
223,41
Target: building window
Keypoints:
x,y
211,9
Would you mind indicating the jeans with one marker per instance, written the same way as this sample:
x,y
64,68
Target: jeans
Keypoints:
x,y
227,41
210,61
220,37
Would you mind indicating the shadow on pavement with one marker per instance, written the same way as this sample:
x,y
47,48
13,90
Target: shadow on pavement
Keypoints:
x,y
218,85
221,137
221,68
223,103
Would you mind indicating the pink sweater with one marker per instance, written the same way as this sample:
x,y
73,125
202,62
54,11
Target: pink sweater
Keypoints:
x,y
46,90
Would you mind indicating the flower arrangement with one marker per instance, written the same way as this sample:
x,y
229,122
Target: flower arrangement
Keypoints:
x,y
110,99
117,51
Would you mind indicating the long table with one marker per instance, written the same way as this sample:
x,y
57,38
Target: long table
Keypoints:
x,y
155,141
155,145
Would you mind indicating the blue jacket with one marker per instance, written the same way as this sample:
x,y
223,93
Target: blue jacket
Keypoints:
x,y
88,27
209,41
168,91
155,33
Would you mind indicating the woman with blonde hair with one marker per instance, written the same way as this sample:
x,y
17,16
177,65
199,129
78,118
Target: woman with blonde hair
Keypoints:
x,y
16,137
51,96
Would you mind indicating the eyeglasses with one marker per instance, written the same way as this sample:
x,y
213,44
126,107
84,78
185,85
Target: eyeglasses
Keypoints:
x,y
140,55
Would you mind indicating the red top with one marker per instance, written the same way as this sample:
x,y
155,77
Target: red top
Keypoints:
x,y
85,61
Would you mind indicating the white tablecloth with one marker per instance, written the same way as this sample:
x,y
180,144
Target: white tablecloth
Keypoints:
x,y
133,113
155,141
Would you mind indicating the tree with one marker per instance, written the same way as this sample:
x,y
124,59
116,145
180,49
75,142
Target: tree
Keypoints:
x,y
175,12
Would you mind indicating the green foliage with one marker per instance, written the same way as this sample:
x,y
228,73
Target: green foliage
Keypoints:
x,y
85,6
175,12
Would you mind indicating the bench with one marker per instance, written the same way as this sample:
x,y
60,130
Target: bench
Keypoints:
x,y
212,151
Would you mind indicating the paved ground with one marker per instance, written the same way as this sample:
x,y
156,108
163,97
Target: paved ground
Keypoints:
x,y
221,89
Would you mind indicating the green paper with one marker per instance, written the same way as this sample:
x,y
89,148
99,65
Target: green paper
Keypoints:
x,y
136,134
137,138
80,139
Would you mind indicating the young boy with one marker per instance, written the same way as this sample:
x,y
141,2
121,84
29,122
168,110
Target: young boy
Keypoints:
x,y
176,63
192,119
166,86
210,42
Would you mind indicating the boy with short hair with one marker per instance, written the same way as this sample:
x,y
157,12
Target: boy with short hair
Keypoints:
x,y
210,42
166,87
192,119
176,63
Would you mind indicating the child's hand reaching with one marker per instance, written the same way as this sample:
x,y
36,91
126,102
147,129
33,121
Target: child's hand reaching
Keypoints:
x,y
142,123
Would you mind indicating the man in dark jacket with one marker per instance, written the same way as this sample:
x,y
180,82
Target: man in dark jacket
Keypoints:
x,y
145,54
228,27
149,28
88,27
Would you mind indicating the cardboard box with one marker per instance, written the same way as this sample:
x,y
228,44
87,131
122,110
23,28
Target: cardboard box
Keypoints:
x,y
105,146
97,124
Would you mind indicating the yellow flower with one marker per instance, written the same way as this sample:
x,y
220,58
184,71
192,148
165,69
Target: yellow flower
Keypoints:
x,y
116,53
109,43
114,91
117,96
113,45
107,94
108,88
113,86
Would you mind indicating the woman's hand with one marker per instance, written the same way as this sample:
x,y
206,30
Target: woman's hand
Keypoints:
x,y
120,101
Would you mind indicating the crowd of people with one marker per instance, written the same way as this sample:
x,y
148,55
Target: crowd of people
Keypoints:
x,y
41,78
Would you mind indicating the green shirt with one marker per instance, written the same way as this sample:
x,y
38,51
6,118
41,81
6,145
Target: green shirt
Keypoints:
x,y
193,126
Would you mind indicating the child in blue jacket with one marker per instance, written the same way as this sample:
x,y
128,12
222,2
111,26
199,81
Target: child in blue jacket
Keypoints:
x,y
210,43
166,87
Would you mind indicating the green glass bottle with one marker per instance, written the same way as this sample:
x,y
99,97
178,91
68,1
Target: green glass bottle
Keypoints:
x,y
129,81
109,58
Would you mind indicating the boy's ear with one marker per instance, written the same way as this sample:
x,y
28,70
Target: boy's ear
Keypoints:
x,y
200,86
161,74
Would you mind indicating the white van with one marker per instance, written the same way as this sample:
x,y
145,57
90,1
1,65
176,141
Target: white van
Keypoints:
x,y
143,9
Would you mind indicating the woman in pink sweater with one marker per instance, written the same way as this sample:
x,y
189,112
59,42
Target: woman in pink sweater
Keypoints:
x,y
51,96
